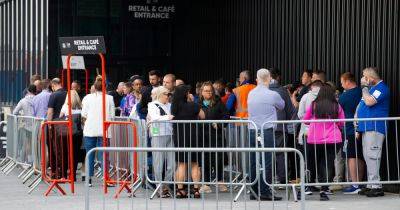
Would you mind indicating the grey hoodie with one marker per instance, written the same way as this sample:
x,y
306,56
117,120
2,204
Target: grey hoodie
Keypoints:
x,y
306,102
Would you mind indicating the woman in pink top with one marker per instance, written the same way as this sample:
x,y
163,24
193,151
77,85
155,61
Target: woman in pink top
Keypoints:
x,y
324,138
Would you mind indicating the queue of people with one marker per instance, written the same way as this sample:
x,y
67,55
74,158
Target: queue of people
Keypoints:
x,y
168,98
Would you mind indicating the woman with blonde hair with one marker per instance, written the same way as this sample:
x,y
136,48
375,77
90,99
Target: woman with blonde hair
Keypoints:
x,y
77,132
161,136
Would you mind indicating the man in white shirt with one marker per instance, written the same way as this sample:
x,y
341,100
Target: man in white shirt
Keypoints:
x,y
93,122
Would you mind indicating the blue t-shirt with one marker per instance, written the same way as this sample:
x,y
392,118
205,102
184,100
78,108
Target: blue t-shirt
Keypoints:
x,y
349,101
381,94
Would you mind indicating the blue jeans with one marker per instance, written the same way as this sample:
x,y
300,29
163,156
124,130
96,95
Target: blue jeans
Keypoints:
x,y
260,187
90,143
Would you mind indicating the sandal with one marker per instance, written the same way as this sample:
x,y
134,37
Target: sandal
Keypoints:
x,y
181,193
196,193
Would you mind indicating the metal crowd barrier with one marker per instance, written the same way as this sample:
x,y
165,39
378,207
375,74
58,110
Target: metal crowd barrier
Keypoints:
x,y
23,149
218,200
204,134
124,169
122,132
327,164
57,156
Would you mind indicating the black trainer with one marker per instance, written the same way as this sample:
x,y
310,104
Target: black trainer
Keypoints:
x,y
308,191
364,191
323,196
375,193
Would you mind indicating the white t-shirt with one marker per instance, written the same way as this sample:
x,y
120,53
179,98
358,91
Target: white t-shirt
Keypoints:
x,y
92,111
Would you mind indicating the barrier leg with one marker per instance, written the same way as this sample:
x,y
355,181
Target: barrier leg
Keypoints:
x,y
124,185
4,161
155,191
54,184
28,176
34,184
8,171
28,173
135,186
6,166
22,174
239,193
294,193
33,181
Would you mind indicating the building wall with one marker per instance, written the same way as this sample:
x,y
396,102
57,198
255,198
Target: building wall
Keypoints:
x,y
23,45
218,39
214,39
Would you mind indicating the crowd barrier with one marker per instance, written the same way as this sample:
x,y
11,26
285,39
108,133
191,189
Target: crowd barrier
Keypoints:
x,y
193,200
205,134
355,160
23,149
123,169
57,155
130,170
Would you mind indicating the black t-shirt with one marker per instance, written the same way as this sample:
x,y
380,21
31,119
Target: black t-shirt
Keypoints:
x,y
56,101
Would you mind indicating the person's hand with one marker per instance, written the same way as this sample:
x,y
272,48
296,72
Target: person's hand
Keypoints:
x,y
358,135
171,117
363,82
214,125
190,98
202,115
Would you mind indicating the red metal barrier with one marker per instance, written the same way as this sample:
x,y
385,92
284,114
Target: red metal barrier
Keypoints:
x,y
123,184
55,179
60,152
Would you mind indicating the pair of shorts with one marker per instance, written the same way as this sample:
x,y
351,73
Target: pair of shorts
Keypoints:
x,y
352,147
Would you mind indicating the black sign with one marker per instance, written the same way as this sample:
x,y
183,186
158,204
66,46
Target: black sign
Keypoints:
x,y
151,9
82,45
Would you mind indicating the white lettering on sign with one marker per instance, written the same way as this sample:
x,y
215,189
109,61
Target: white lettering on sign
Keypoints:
x,y
87,47
88,44
151,12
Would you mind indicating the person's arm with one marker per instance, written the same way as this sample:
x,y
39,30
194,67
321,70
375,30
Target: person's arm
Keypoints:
x,y
289,108
279,102
202,115
155,115
50,112
369,99
18,108
302,108
230,103
50,108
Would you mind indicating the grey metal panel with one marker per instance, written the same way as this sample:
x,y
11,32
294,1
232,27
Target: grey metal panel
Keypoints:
x,y
8,41
23,45
45,36
34,37
2,79
13,51
29,38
